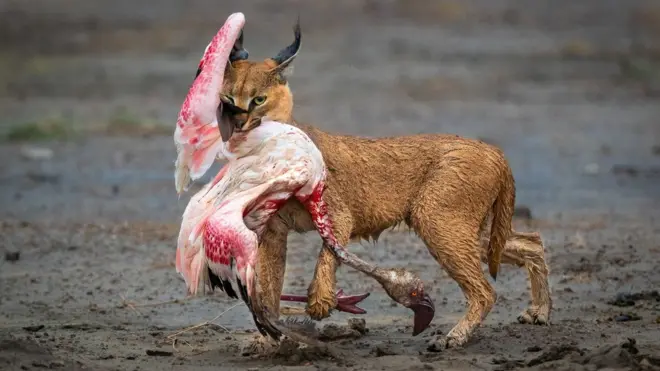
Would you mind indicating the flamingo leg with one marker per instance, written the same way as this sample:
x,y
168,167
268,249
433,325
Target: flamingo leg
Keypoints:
x,y
345,303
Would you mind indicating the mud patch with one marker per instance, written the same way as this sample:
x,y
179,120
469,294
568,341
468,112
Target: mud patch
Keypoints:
x,y
287,352
569,357
27,354
625,355
554,353
333,332
294,353
630,299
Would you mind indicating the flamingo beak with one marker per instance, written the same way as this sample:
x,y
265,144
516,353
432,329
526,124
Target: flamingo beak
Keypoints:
x,y
225,124
424,312
226,121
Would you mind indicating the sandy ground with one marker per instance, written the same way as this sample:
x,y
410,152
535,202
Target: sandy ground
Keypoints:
x,y
88,234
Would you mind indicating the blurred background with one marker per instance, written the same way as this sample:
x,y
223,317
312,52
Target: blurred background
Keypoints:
x,y
566,88
90,91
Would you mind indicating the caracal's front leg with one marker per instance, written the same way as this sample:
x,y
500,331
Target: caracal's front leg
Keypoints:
x,y
270,273
321,292
272,263
322,295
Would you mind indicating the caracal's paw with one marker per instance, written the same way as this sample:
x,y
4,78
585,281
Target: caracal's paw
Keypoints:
x,y
442,342
319,307
535,315
319,310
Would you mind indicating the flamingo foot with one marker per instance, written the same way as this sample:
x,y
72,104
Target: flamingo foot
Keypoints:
x,y
345,303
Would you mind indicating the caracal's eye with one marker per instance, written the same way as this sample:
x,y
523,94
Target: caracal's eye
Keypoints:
x,y
259,100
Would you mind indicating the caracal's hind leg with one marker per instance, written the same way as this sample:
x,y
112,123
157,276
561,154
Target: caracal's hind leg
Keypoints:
x,y
459,255
449,225
526,250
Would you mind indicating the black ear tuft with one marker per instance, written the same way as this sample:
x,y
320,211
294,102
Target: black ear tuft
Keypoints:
x,y
288,54
238,52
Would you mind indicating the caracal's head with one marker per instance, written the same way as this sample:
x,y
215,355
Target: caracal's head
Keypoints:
x,y
253,90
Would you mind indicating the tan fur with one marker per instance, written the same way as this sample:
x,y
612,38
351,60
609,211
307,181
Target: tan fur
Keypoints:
x,y
526,250
246,80
445,187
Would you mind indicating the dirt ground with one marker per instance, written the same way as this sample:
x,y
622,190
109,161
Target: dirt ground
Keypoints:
x,y
569,90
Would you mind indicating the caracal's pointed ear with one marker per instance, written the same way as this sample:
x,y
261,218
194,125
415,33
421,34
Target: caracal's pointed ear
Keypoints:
x,y
238,53
284,58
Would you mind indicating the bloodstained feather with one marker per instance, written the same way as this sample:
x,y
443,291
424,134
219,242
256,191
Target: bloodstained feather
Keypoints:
x,y
318,209
220,243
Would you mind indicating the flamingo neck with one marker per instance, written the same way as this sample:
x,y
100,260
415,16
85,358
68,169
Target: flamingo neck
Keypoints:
x,y
318,210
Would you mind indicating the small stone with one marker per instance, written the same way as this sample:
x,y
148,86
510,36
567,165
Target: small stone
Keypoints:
x,y
34,328
158,353
358,324
627,317
382,350
622,300
12,256
287,347
534,348
332,331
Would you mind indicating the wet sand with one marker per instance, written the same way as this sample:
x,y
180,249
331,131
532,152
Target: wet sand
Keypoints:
x,y
94,285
